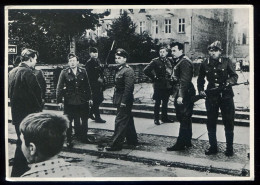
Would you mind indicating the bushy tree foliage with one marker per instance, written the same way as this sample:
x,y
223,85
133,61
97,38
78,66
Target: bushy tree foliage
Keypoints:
x,y
49,30
122,31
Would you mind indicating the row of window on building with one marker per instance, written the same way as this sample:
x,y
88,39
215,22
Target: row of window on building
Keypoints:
x,y
155,27
167,26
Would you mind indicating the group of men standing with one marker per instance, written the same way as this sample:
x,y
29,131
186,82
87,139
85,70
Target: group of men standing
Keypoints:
x,y
79,88
173,76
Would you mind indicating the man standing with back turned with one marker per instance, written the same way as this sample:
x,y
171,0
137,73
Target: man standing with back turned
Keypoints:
x,y
25,98
220,74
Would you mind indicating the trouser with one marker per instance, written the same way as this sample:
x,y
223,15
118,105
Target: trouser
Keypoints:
x,y
183,114
124,127
97,100
227,107
77,113
161,95
20,165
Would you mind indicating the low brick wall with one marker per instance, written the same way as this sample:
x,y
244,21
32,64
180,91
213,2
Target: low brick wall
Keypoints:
x,y
52,72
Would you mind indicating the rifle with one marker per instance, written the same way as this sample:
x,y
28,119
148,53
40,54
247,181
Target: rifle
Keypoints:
x,y
109,52
198,97
106,64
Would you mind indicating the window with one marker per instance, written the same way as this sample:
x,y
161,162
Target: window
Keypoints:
x,y
142,27
168,25
155,27
108,26
142,11
181,28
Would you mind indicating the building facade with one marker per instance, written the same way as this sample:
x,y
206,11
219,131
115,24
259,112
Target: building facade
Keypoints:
x,y
195,28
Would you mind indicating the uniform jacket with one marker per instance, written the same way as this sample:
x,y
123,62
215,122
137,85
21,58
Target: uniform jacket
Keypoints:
x,y
124,85
74,88
217,71
24,93
182,76
94,71
160,72
41,80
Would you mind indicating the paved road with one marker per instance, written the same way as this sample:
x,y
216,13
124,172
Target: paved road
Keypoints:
x,y
107,167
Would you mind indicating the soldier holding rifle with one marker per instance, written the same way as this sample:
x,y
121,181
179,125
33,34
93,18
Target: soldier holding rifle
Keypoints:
x,y
220,75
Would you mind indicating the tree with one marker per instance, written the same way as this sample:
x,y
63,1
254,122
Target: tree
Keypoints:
x,y
137,45
50,31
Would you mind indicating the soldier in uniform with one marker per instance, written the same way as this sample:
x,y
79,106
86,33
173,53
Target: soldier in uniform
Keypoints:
x,y
25,98
123,99
160,71
96,80
74,86
182,92
220,74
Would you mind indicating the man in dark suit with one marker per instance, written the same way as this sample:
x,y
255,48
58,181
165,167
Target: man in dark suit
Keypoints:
x,y
160,71
220,73
183,90
25,98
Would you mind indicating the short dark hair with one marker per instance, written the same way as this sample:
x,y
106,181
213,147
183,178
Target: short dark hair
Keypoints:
x,y
180,45
17,60
46,130
26,54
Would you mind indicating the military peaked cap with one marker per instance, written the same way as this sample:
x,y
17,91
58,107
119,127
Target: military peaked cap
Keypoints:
x,y
121,52
215,45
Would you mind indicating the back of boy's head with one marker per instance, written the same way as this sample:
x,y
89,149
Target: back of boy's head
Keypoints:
x,y
46,130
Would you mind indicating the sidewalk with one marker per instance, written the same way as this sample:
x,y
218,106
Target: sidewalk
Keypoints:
x,y
154,139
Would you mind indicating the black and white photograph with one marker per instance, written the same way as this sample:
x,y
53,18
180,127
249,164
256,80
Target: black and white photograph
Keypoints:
x,y
129,93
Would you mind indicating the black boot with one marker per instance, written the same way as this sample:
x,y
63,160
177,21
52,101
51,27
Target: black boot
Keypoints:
x,y
99,120
213,149
180,144
157,122
229,139
165,119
